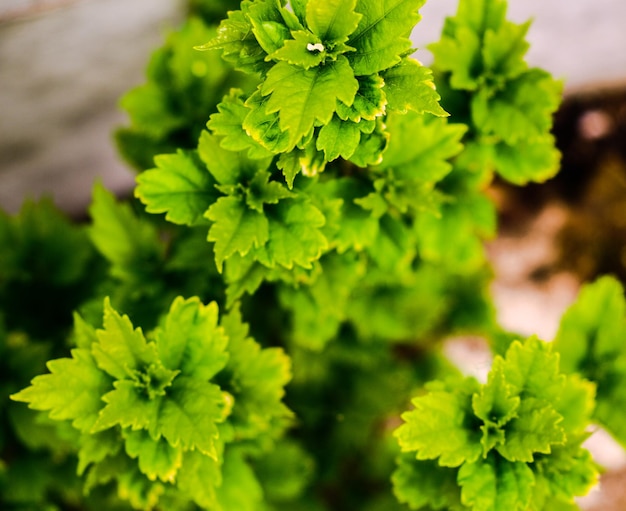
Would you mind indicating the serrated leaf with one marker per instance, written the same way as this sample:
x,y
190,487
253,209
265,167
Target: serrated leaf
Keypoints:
x,y
264,127
179,186
459,54
228,167
338,138
536,429
294,235
437,429
494,485
496,402
369,103
236,228
239,489
120,236
409,86
267,24
198,477
297,51
504,49
190,340
71,391
156,458
95,447
228,122
302,97
238,42
189,414
243,275
425,483
121,349
381,38
262,191
333,20
128,407
536,160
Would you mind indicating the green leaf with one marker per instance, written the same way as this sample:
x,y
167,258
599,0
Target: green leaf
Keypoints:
x,y
437,429
302,97
236,228
494,485
198,477
338,138
121,349
294,235
125,240
425,483
96,447
71,391
128,407
228,122
381,38
409,86
264,127
180,186
228,167
262,191
536,160
240,489
190,340
189,414
157,459
268,25
296,51
240,47
333,21
369,103
535,430
504,49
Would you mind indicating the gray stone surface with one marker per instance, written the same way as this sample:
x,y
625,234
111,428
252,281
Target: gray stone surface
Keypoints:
x,y
63,70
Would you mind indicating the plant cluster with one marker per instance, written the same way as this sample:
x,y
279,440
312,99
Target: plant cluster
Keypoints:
x,y
248,332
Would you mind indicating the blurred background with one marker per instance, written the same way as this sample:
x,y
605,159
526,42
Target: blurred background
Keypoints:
x,y
65,63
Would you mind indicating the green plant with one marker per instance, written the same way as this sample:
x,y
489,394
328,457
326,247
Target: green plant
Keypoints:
x,y
251,340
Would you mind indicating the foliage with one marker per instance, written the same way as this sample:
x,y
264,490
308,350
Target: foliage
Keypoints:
x,y
307,228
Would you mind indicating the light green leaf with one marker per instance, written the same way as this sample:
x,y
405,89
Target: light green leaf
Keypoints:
x,y
120,349
369,103
437,429
190,340
536,160
496,485
536,429
338,138
297,51
497,401
333,20
264,127
240,489
294,235
198,477
302,97
409,86
268,25
381,38
71,391
180,186
157,458
262,191
228,167
189,414
236,228
504,49
228,122
96,447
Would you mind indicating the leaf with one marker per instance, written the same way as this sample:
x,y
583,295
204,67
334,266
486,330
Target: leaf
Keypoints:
x,y
189,414
369,103
190,340
381,38
496,402
236,228
121,349
302,97
264,127
409,86
333,21
240,489
296,51
198,477
228,123
493,485
338,138
125,240
436,429
268,25
71,391
294,235
425,483
180,186
157,459
128,407
536,160
240,47
262,191
228,167
535,430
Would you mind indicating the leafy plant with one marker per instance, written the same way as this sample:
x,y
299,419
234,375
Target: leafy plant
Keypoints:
x,y
249,334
